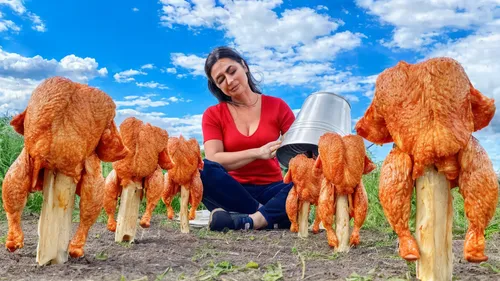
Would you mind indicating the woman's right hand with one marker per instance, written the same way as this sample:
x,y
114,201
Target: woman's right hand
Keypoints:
x,y
268,150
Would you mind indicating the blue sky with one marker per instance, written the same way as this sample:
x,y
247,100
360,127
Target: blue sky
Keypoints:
x,y
149,55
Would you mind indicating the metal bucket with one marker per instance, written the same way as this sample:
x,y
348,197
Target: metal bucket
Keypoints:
x,y
321,112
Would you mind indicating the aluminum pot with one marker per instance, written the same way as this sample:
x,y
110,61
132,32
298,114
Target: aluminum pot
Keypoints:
x,y
321,112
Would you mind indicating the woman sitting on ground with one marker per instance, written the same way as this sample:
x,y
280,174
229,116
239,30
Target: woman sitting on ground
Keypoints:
x,y
242,179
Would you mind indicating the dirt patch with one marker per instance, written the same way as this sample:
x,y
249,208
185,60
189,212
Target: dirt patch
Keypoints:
x,y
163,253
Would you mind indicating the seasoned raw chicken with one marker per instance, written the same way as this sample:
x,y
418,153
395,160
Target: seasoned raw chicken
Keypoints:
x,y
186,159
67,128
306,188
343,161
430,110
144,164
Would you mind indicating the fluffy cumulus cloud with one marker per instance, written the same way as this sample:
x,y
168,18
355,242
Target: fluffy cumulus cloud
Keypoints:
x,y
298,47
188,126
14,94
193,63
20,75
17,6
37,67
420,23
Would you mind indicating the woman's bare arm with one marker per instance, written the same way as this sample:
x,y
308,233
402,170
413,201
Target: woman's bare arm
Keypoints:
x,y
214,151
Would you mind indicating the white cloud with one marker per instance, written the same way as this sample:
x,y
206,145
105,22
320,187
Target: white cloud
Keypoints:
x,y
321,7
171,70
15,93
152,85
38,24
420,23
187,126
71,66
203,13
327,47
20,75
141,102
18,7
297,47
127,75
130,97
8,24
148,66
176,100
135,9
193,63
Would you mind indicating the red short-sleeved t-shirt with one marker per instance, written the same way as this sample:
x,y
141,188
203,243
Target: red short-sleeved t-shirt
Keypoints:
x,y
275,119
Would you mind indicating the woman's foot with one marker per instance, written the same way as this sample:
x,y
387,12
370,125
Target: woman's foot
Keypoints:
x,y
221,220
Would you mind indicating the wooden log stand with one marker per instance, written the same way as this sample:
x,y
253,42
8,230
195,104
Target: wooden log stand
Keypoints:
x,y
130,202
184,210
54,226
342,223
434,227
304,219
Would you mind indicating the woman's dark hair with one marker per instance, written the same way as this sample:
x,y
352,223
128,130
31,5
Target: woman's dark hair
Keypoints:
x,y
221,53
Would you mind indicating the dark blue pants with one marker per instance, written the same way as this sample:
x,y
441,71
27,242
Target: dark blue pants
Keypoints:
x,y
220,190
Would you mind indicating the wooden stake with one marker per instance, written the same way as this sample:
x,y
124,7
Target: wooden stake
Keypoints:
x,y
184,210
433,227
304,220
342,223
54,226
128,214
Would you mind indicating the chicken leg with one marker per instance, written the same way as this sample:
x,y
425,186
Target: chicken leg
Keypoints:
x,y
326,211
153,186
292,208
91,190
112,190
479,187
171,189
317,221
395,190
195,194
15,189
360,202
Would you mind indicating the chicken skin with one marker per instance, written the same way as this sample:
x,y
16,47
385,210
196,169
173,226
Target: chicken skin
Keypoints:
x,y
429,110
68,128
342,161
186,159
144,164
306,188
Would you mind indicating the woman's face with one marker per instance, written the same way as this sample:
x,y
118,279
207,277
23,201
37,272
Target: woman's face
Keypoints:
x,y
230,77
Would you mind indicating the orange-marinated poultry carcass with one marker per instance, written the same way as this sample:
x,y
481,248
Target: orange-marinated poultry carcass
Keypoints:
x,y
186,160
306,188
148,156
67,128
343,161
429,110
